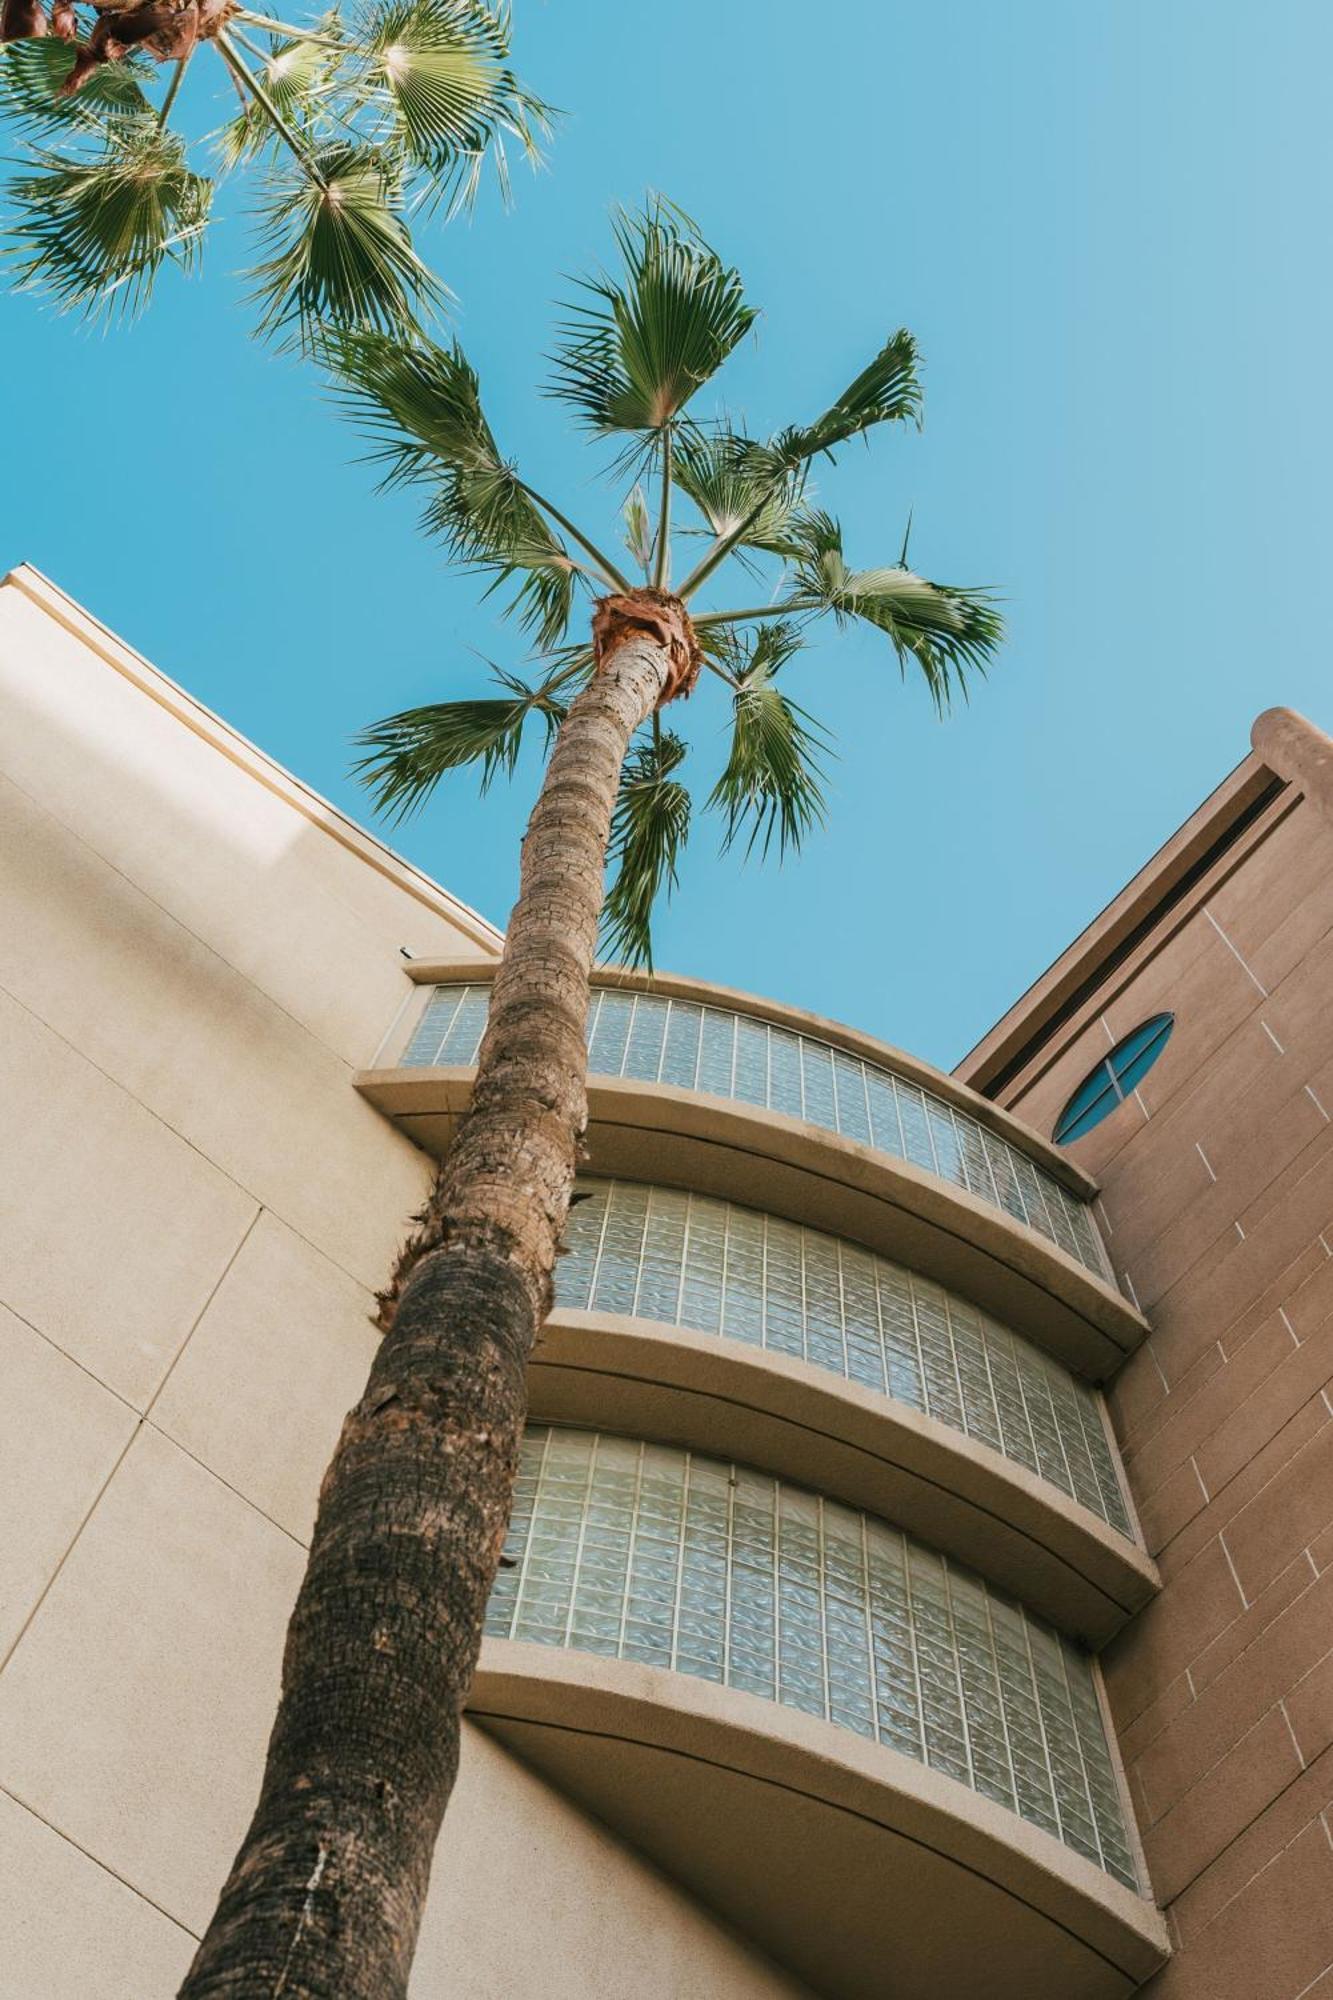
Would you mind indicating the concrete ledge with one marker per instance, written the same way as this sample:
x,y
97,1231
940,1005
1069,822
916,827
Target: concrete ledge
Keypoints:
x,y
858,1868
713,1145
806,1424
671,986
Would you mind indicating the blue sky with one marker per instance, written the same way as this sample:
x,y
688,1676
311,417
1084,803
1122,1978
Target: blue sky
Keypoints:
x,y
1107,221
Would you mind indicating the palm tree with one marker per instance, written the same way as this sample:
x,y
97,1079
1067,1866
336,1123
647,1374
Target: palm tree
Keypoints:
x,y
326,1893
348,128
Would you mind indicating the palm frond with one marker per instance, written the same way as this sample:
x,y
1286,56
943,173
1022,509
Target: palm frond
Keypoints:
x,y
639,537
294,76
740,486
340,250
947,631
773,781
410,752
445,67
630,361
420,405
888,391
649,828
92,233
31,76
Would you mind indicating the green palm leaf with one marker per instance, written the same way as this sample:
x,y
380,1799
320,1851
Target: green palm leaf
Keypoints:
x,y
421,407
341,253
630,361
640,538
444,64
773,782
741,487
947,631
93,233
648,832
294,77
32,72
410,752
888,391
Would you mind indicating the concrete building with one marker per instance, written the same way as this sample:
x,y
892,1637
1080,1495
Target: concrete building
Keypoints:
x,y
920,1563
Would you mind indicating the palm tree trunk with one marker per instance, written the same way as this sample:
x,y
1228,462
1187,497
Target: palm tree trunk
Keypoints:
x,y
324,1899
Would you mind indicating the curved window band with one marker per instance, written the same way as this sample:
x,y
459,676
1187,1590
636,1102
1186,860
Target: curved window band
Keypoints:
x,y
1115,1076
646,1552
685,1044
699,1262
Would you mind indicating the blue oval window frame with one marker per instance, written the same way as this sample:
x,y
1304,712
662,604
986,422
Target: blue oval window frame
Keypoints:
x,y
1115,1076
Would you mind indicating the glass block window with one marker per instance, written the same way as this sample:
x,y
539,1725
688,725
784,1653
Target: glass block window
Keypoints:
x,y
1115,1076
644,1552
732,1055
660,1254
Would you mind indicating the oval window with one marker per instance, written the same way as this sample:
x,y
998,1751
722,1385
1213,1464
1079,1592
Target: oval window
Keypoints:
x,y
1113,1079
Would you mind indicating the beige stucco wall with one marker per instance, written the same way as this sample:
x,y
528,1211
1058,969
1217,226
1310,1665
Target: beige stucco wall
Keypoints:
x,y
195,957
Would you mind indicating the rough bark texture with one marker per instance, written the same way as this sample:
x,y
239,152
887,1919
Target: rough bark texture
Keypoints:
x,y
325,1897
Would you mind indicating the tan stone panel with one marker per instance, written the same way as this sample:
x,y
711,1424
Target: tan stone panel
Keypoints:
x,y
135,1710
123,1229
532,1900
1261,1843
1309,1303
1287,871
1278,1457
1248,1086
1171,1505
71,1931
1303,929
1250,1136
1310,1709
1298,1577
1278,1660
279,1357
1198,979
1135,1737
1286,1514
1239,1274
1195,977
1307,1172
60,1435
1165,1637
1194,1419
185,813
1276,1927
1138,1399
1254,1423
1283,1289
101,963
1221,1805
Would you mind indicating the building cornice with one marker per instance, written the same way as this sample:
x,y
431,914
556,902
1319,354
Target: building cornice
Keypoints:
x,y
675,986
804,1423
847,1861
784,1166
64,611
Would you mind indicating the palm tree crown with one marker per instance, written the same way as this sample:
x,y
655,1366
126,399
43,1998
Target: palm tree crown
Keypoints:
x,y
348,126
630,358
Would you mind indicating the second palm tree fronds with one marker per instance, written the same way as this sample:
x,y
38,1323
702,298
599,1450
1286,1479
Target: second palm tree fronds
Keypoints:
x,y
348,126
326,1893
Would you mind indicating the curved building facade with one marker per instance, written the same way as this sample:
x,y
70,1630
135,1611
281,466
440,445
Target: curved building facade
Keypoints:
x,y
916,1583
818,1424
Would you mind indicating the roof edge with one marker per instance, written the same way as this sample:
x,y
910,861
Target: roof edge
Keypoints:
x,y
66,611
